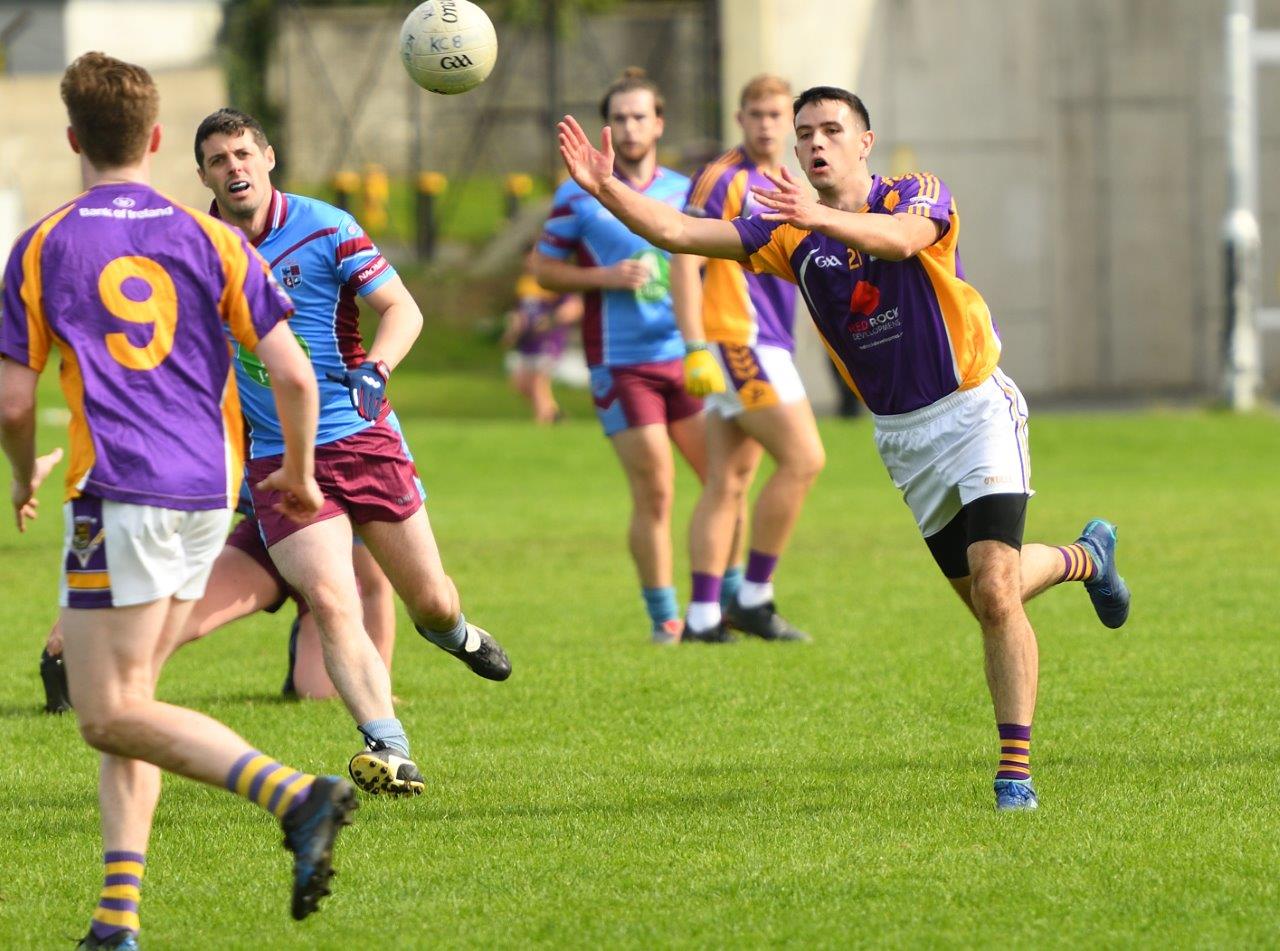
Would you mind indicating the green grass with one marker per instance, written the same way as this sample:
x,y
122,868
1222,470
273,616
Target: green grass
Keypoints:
x,y
835,794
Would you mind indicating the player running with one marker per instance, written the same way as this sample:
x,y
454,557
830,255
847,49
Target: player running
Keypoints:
x,y
363,466
748,322
244,580
629,333
140,296
535,333
876,261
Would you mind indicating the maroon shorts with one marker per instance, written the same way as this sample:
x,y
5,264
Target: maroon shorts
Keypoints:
x,y
246,538
641,394
368,477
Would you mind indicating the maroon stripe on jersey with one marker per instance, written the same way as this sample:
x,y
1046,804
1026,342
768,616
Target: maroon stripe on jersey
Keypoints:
x,y
368,273
592,316
558,242
322,233
353,246
560,211
346,327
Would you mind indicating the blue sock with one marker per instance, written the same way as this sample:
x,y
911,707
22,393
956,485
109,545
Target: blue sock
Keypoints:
x,y
388,731
661,604
452,639
730,585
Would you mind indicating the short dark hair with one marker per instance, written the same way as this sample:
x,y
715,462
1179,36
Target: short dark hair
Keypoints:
x,y
228,122
113,106
632,78
833,94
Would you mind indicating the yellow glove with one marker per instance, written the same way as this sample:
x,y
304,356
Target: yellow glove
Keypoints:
x,y
702,375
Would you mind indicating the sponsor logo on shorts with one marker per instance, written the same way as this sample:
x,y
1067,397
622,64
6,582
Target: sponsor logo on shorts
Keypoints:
x,y
826,260
84,541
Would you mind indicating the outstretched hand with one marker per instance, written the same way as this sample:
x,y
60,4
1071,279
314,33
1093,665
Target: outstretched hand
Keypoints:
x,y
789,202
588,166
25,504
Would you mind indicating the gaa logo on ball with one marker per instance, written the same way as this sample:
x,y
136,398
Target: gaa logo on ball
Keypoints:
x,y
448,46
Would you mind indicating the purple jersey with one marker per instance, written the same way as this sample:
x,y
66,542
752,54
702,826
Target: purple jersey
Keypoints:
x,y
535,304
739,307
903,334
140,296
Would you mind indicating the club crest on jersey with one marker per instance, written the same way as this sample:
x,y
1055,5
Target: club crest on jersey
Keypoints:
x,y
83,540
291,274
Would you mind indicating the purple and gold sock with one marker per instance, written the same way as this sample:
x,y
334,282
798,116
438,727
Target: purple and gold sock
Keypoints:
x,y
1076,564
121,890
1015,751
273,786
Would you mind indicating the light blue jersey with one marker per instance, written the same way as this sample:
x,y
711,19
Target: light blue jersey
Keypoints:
x,y
323,259
619,328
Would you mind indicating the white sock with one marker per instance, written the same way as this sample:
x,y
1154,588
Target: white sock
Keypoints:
x,y
703,615
752,594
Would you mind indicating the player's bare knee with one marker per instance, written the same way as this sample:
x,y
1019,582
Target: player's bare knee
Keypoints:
x,y
332,611
103,729
655,501
803,468
995,599
436,606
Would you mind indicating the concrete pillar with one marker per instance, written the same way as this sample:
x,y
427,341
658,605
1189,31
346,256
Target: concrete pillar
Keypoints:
x,y
808,44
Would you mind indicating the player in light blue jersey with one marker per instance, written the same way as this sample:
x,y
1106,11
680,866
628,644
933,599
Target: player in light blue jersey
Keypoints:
x,y
364,468
633,347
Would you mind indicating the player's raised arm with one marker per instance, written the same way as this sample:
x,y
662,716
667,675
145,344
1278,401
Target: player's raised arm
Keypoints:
x,y
888,237
659,224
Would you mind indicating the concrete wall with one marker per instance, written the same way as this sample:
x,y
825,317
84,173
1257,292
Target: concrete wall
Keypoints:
x,y
159,34
348,101
37,164
1083,141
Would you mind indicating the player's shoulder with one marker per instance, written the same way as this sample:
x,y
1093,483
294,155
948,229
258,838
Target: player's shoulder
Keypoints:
x,y
907,186
46,222
568,194
305,211
671,180
724,165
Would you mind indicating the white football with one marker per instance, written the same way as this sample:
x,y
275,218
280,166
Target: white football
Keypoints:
x,y
448,46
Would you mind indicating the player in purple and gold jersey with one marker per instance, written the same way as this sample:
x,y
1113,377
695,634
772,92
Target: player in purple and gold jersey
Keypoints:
x,y
747,320
366,473
142,297
535,333
629,333
876,260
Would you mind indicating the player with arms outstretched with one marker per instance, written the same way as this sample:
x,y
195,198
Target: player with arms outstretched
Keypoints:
x,y
739,326
877,264
633,348
140,296
363,465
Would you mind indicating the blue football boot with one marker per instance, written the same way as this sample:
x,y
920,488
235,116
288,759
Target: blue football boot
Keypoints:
x,y
1013,795
1107,590
309,833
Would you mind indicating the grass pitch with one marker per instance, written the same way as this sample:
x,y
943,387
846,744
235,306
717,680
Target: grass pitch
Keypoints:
x,y
613,794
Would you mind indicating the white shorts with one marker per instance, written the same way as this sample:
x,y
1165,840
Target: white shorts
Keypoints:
x,y
755,377
530,362
116,554
968,444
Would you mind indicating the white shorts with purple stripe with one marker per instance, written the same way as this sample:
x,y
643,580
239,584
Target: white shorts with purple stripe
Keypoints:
x,y
966,445
116,554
